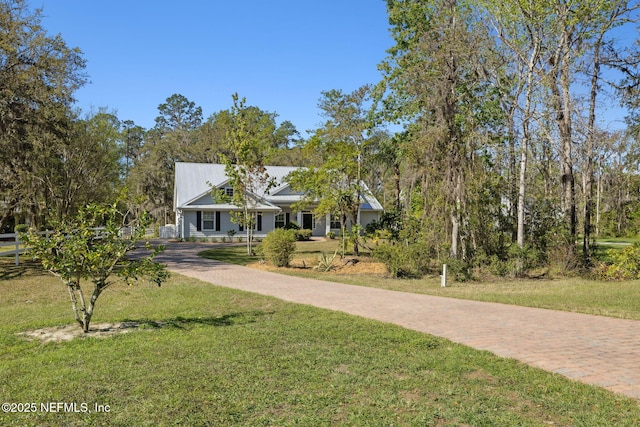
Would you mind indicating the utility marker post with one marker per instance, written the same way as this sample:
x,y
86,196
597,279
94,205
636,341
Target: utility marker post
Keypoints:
x,y
444,276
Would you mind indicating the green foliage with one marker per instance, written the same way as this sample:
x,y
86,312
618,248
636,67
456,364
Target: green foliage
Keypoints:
x,y
625,264
93,247
390,223
335,186
460,269
249,148
39,75
516,263
292,226
403,260
303,234
279,246
325,262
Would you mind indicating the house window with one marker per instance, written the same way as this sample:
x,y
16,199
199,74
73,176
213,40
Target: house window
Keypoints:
x,y
280,220
335,222
256,222
228,191
208,220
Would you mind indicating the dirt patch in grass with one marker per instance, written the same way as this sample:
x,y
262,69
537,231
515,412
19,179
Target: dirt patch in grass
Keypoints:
x,y
348,266
70,332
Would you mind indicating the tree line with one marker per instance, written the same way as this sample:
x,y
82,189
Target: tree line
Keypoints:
x,y
484,139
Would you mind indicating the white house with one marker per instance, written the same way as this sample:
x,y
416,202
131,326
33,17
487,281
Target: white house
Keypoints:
x,y
198,215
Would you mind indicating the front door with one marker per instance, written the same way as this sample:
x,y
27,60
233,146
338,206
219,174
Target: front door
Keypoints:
x,y
307,220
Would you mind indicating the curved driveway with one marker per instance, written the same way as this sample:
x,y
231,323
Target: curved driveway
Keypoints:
x,y
596,350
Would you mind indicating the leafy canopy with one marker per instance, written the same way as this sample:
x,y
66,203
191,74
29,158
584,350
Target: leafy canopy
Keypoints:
x,y
93,247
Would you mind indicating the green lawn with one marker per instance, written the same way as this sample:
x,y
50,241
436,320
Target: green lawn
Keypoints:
x,y
615,299
206,355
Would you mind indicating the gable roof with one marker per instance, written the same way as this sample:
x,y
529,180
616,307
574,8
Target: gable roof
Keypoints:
x,y
192,183
192,180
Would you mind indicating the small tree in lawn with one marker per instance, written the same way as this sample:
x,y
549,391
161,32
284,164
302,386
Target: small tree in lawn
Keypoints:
x,y
249,147
335,186
92,248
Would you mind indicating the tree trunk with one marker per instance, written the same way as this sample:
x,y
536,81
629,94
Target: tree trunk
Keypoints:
x,y
513,178
6,216
521,192
396,185
561,101
526,138
455,233
456,217
598,196
71,287
589,203
88,313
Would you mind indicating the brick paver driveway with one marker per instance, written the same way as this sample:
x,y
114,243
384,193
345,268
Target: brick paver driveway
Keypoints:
x,y
593,349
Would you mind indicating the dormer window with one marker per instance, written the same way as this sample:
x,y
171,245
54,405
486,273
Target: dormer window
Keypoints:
x,y
225,192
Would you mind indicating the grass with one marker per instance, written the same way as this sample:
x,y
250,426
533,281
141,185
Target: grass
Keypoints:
x,y
615,299
617,240
9,250
232,254
225,357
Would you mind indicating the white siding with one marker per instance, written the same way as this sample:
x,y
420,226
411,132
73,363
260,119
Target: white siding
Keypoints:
x,y
367,217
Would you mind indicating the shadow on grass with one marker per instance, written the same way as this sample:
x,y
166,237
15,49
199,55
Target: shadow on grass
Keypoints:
x,y
9,270
180,322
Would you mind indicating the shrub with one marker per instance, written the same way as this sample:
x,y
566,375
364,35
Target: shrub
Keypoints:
x,y
460,269
403,260
303,234
325,262
521,260
626,264
292,226
391,257
279,246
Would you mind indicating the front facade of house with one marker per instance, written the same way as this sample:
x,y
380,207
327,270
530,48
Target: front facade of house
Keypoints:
x,y
199,216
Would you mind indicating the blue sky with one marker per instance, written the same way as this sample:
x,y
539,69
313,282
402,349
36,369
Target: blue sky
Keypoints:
x,y
280,55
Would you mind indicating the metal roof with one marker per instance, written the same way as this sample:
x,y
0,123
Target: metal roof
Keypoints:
x,y
194,180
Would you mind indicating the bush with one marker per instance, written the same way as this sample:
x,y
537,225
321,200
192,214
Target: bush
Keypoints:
x,y
391,257
459,269
403,260
521,260
279,246
303,234
626,264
